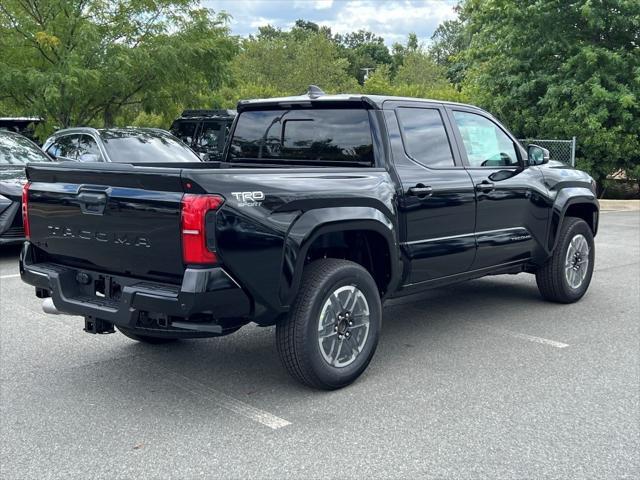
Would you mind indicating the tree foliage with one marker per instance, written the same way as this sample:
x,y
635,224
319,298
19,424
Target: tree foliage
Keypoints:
x,y
449,42
555,69
363,50
289,62
548,68
77,62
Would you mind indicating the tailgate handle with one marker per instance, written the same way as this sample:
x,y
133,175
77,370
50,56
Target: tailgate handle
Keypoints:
x,y
92,203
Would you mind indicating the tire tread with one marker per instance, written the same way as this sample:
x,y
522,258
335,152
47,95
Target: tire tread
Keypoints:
x,y
291,331
549,277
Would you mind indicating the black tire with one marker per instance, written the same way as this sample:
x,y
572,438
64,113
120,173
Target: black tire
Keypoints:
x,y
131,333
551,279
297,334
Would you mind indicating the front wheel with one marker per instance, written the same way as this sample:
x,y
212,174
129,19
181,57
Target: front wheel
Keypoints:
x,y
566,275
331,333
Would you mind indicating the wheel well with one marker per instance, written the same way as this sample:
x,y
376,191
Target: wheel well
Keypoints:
x,y
586,212
365,247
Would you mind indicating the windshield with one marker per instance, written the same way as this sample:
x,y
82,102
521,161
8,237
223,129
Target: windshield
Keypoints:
x,y
18,150
140,146
335,136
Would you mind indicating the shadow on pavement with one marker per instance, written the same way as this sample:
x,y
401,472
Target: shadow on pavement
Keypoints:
x,y
9,252
246,363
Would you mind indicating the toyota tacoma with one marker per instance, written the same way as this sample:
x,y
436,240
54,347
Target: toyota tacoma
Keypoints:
x,y
322,208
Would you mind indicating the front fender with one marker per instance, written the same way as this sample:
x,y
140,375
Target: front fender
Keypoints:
x,y
567,197
314,223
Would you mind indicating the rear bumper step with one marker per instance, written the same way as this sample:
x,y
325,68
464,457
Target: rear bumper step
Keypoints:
x,y
209,294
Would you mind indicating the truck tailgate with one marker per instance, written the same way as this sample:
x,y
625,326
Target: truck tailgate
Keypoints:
x,y
110,218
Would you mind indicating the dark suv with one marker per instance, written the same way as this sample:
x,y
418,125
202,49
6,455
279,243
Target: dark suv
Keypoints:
x,y
205,131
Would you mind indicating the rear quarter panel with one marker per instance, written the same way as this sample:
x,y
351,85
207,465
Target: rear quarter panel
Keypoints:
x,y
256,236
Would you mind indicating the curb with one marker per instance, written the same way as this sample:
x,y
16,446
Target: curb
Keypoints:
x,y
619,205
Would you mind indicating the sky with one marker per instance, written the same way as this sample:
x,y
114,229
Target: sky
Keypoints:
x,y
391,19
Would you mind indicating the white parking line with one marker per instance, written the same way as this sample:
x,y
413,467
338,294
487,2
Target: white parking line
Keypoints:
x,y
226,401
13,275
524,336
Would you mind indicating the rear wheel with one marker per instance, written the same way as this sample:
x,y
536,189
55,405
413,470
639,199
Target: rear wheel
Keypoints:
x,y
133,335
566,275
332,331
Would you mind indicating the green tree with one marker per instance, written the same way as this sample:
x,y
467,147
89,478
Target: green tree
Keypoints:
x,y
363,49
79,62
449,41
289,62
557,69
419,69
399,51
381,82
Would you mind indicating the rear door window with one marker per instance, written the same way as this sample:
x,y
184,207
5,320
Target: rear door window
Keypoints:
x,y
425,137
332,136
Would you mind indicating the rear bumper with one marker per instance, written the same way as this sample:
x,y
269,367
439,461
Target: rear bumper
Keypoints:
x,y
210,295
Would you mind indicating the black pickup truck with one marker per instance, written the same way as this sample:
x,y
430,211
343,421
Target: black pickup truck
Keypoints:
x,y
323,207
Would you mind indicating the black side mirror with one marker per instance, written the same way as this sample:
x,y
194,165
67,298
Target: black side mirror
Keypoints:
x,y
537,155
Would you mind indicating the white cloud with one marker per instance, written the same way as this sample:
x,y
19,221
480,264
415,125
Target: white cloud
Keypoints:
x,y
392,19
316,4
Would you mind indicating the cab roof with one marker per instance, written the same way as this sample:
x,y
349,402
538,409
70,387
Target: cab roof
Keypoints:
x,y
315,96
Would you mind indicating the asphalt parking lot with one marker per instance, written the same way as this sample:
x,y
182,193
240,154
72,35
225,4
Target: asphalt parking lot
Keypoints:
x,y
481,380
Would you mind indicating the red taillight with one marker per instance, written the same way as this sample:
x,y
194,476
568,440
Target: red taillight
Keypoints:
x,y
194,235
25,210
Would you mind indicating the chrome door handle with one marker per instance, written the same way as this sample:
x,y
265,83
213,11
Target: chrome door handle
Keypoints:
x,y
485,186
421,191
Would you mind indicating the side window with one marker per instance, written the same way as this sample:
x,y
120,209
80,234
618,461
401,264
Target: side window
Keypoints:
x,y
485,143
424,136
212,137
87,149
185,131
54,150
65,147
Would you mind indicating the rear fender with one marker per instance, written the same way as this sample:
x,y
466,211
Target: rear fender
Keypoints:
x,y
314,223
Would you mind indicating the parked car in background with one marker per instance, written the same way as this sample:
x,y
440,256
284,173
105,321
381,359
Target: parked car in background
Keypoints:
x,y
22,125
15,152
128,145
205,131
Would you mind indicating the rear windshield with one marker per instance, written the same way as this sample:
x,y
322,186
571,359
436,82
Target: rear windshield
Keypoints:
x,y
332,136
18,150
145,147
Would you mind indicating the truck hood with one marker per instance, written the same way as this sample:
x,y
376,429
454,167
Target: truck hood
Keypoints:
x,y
556,173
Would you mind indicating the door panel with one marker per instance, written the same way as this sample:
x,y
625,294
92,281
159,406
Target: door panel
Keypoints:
x,y
509,215
510,200
437,209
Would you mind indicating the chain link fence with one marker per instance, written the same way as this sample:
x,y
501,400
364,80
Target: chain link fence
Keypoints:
x,y
560,150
